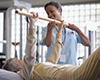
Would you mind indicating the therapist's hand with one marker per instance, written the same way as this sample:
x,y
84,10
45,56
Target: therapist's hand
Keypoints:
x,y
51,25
72,27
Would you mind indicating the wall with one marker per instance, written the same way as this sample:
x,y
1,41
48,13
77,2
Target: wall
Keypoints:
x,y
63,2
36,3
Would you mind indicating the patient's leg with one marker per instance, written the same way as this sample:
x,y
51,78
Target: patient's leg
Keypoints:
x,y
90,69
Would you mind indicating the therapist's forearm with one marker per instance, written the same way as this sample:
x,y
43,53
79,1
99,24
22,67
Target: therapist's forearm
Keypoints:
x,y
48,38
85,39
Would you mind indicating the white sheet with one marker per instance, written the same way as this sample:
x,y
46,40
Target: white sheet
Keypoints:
x,y
8,75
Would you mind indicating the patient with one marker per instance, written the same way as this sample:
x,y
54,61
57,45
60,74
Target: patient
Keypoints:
x,y
28,70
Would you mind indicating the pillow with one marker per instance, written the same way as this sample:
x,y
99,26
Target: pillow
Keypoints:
x,y
8,75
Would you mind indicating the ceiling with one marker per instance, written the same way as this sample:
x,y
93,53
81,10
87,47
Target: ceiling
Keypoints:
x,y
43,2
9,3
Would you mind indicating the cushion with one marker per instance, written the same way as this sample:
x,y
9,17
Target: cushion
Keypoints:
x,y
8,75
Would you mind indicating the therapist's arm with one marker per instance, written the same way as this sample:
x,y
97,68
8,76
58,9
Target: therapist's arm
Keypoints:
x,y
48,38
85,39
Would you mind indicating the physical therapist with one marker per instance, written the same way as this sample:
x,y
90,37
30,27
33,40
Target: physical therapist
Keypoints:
x,y
71,35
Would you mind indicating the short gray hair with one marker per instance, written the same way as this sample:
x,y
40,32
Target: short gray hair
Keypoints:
x,y
10,65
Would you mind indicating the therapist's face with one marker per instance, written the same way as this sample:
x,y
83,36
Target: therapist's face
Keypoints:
x,y
53,12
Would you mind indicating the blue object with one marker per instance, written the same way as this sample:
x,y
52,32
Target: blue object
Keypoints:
x,y
2,53
70,39
16,54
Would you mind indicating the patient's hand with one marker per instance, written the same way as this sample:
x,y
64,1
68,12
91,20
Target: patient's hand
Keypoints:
x,y
33,19
60,26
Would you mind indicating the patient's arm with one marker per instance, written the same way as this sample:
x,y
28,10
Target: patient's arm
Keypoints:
x,y
30,56
56,50
55,54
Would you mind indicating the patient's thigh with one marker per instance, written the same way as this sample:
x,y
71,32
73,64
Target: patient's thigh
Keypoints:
x,y
90,69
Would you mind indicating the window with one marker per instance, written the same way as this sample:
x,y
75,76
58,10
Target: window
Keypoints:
x,y
15,33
